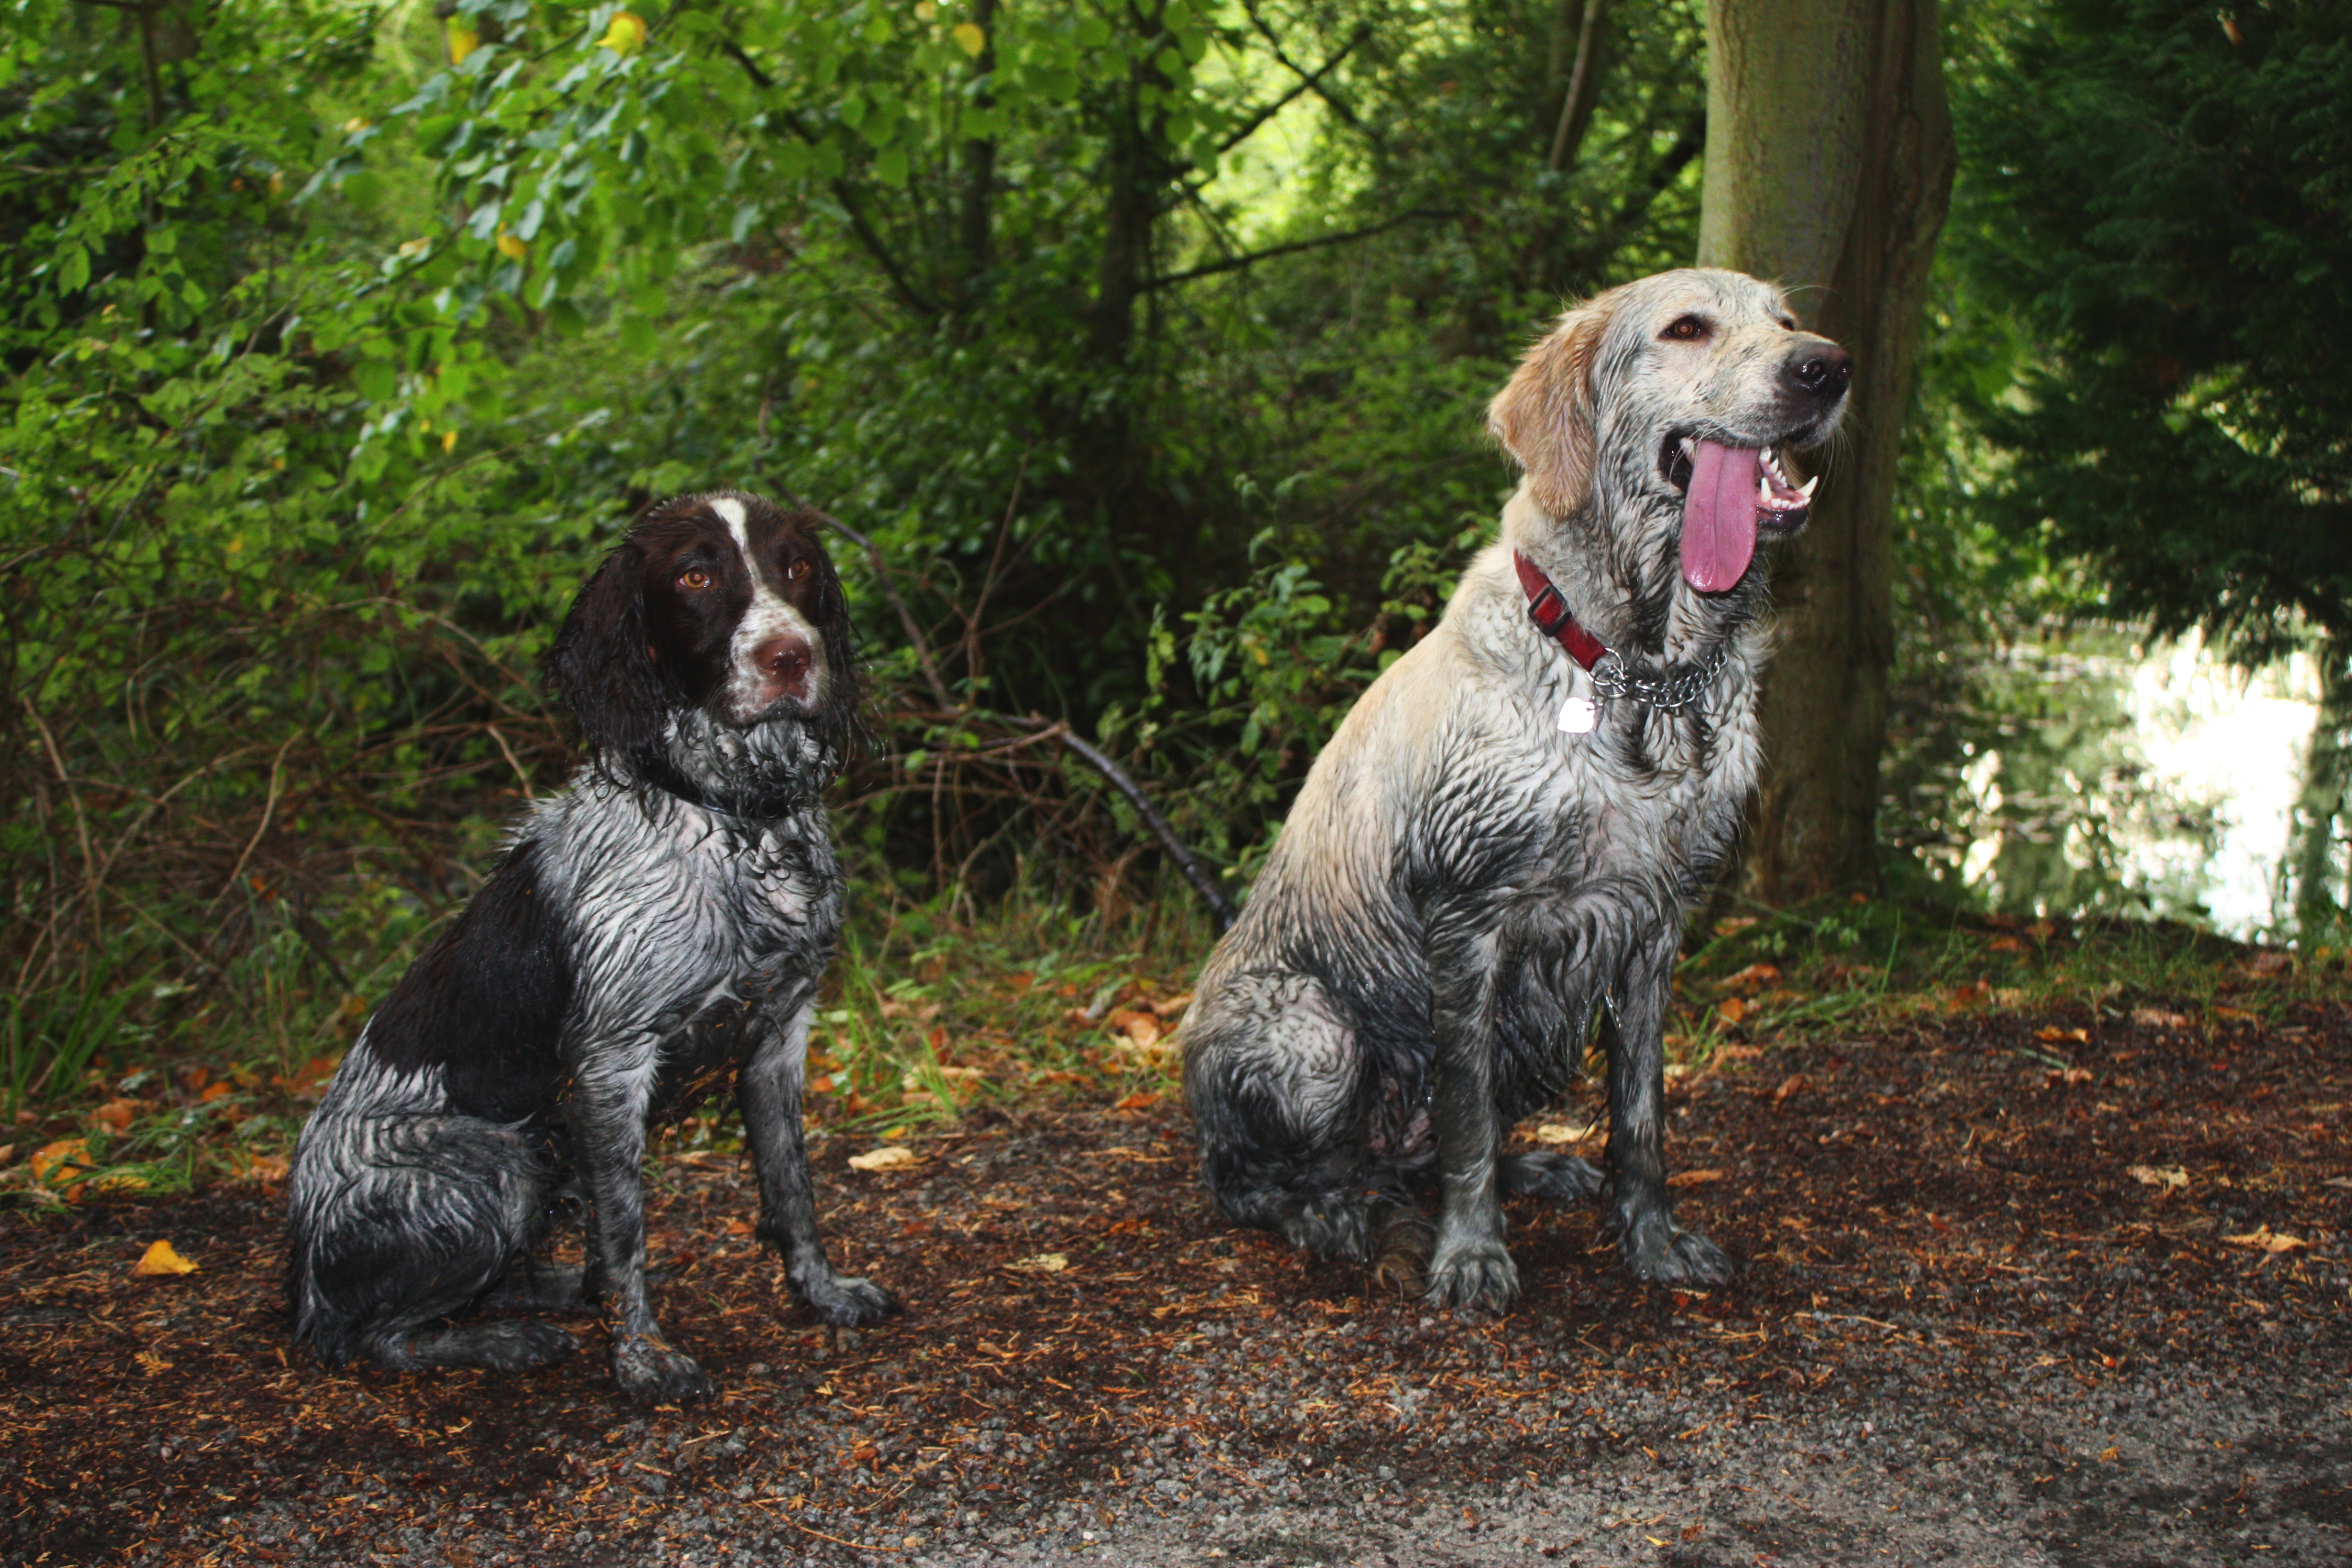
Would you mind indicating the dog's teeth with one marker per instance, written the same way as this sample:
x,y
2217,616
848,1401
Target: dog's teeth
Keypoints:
x,y
1690,446
1806,489
1764,492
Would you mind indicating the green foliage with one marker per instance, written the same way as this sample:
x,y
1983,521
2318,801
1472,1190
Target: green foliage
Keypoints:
x,y
2157,195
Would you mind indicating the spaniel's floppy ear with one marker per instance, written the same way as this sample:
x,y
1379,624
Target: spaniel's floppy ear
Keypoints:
x,y
1544,417
843,716
602,666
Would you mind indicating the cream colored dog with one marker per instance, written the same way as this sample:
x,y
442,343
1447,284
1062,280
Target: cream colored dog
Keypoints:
x,y
1497,849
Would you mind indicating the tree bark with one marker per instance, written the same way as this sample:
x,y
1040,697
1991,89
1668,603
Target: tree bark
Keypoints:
x,y
1829,168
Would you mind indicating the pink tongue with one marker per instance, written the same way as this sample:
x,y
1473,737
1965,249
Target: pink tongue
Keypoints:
x,y
1719,516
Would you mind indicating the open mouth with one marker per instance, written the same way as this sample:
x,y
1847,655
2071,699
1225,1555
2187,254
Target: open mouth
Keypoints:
x,y
1730,493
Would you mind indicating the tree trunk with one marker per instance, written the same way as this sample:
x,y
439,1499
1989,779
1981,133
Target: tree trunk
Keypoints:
x,y
1829,168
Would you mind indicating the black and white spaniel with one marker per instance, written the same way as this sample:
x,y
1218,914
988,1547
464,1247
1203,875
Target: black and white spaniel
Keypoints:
x,y
662,922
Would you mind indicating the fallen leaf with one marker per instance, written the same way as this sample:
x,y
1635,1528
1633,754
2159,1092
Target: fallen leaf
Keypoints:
x,y
1557,1132
1732,1009
2052,1035
216,1091
739,1227
1169,1006
1141,1028
1734,924
2270,964
2107,1454
2166,1178
1141,1099
2264,1239
1795,1083
2158,1018
60,1162
1973,994
1044,1262
2005,944
2041,931
889,1157
116,1114
1740,1053
2238,1013
2073,1075
159,1258
1756,974
1693,1178
267,1169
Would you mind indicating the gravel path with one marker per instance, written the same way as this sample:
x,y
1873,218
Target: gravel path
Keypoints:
x,y
1965,1331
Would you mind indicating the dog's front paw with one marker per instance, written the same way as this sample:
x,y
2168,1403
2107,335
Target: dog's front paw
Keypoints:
x,y
844,1301
1473,1273
1660,1253
652,1373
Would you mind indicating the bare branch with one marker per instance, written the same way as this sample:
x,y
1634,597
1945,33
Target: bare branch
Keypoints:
x,y
1232,263
1308,82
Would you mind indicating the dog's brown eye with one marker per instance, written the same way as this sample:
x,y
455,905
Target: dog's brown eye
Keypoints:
x,y
797,570
1685,329
694,578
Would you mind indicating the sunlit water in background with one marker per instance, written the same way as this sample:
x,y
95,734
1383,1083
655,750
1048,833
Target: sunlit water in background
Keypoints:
x,y
2104,775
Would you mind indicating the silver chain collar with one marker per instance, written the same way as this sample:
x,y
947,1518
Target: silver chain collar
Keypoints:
x,y
1677,687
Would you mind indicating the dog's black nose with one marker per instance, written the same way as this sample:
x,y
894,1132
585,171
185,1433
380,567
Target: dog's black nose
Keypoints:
x,y
1822,370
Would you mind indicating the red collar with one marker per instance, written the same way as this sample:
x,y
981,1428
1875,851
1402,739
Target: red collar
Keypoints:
x,y
1550,614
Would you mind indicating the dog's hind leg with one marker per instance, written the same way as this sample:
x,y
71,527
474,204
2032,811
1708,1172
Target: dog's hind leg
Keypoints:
x,y
770,1088
1634,1030
531,1286
400,1223
1273,1080
1562,1178
500,1344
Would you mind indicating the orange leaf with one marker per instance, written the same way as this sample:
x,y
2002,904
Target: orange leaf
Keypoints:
x,y
1732,1009
216,1091
116,1114
2005,944
63,1160
1756,974
1139,1100
1795,1083
1693,1178
267,1169
2053,1034
159,1259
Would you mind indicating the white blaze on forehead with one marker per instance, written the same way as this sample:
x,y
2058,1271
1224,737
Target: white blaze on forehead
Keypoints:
x,y
767,616
730,512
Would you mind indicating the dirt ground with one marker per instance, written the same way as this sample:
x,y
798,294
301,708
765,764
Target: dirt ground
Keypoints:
x,y
1965,1331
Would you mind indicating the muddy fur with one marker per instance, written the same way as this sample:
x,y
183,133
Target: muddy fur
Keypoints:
x,y
1463,894
655,931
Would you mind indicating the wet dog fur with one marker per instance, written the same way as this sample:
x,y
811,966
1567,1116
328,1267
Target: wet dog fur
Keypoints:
x,y
1462,892
656,930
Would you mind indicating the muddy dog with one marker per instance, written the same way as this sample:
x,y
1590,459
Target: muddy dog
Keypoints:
x,y
659,927
1496,851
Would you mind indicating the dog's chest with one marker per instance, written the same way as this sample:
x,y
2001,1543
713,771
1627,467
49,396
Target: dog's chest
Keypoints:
x,y
1643,793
